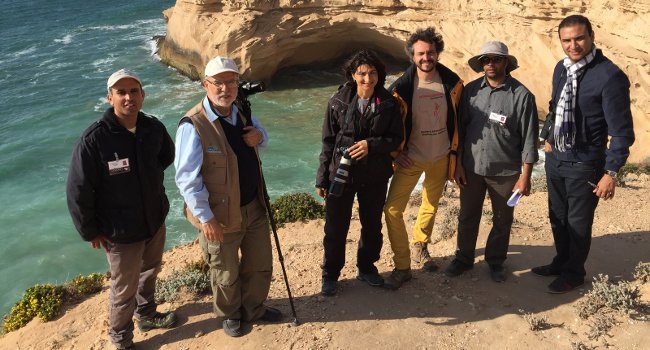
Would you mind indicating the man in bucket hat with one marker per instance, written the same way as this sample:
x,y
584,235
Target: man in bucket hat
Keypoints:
x,y
498,136
218,174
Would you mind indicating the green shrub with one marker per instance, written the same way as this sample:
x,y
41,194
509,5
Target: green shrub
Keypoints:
x,y
294,207
642,272
198,265
621,296
195,281
85,285
634,168
42,300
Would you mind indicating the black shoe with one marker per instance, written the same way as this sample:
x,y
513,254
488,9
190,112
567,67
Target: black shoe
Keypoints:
x,y
232,327
561,285
430,266
545,270
328,288
456,268
372,279
498,273
128,347
271,315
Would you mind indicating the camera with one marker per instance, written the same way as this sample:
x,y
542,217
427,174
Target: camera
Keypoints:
x,y
247,88
342,173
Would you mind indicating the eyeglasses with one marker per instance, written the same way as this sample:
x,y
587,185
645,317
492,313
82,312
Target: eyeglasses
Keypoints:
x,y
221,84
491,59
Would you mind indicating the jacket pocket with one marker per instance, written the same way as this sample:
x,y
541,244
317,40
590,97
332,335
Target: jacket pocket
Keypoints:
x,y
219,206
214,169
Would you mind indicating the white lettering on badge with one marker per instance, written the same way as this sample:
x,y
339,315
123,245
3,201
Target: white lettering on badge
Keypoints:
x,y
498,118
119,166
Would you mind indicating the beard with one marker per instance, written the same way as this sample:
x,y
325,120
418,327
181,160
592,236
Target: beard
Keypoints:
x,y
422,62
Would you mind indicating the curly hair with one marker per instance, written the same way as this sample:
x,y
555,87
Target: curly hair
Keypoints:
x,y
370,58
428,35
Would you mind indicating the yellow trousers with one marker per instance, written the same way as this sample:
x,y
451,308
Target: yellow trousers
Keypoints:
x,y
401,186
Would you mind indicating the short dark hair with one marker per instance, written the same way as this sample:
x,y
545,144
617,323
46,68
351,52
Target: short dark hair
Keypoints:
x,y
370,58
573,20
428,35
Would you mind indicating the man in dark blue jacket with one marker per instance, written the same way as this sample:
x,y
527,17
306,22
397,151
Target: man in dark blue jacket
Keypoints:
x,y
590,103
117,201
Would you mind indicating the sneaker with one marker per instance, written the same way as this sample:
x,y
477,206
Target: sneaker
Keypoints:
x,y
328,288
545,270
158,320
456,268
420,253
232,327
561,285
372,279
498,273
397,278
271,315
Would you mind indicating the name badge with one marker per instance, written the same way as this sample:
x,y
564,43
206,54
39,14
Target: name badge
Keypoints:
x,y
119,166
498,118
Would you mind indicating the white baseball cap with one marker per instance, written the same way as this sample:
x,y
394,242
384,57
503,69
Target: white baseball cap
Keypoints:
x,y
219,65
119,75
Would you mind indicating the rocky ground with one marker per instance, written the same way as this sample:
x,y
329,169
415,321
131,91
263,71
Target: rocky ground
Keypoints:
x,y
430,312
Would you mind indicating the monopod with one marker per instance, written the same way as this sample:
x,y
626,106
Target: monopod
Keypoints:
x,y
277,245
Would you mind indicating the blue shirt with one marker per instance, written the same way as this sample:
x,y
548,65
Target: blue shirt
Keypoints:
x,y
189,159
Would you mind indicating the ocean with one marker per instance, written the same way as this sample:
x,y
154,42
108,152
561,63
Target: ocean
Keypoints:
x,y
55,58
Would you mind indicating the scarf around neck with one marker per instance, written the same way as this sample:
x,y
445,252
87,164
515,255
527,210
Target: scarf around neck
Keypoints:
x,y
564,131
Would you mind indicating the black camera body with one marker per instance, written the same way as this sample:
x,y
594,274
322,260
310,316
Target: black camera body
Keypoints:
x,y
342,175
247,88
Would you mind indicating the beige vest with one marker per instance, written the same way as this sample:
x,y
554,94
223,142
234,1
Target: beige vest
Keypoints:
x,y
219,171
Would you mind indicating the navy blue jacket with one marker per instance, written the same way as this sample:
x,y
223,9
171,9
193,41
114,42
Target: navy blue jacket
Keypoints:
x,y
125,207
603,109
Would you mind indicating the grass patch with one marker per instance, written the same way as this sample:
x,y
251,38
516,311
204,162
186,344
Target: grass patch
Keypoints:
x,y
192,278
642,272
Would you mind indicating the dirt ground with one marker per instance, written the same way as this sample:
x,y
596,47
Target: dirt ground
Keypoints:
x,y
429,312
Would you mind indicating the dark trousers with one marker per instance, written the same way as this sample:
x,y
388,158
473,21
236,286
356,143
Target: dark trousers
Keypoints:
x,y
338,211
471,209
571,204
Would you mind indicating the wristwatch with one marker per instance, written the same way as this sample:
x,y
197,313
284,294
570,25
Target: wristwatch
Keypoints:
x,y
611,173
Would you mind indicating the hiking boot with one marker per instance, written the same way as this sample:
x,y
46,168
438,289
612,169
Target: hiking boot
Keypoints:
x,y
420,253
328,288
372,279
158,320
232,327
397,278
456,268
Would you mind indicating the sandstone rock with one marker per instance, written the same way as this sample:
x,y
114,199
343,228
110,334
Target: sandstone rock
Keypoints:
x,y
265,36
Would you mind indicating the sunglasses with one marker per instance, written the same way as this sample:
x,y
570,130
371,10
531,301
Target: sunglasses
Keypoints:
x,y
491,59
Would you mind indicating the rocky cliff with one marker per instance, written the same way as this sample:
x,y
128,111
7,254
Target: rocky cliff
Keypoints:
x,y
267,35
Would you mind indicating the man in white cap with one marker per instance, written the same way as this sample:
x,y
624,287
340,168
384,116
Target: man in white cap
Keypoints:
x,y
219,176
117,201
498,138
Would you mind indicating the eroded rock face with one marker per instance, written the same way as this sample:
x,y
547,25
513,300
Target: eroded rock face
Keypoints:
x,y
264,36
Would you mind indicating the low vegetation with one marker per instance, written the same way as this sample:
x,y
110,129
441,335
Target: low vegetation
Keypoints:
x,y
45,300
619,296
294,207
193,278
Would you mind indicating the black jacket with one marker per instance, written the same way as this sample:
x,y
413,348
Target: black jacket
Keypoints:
x,y
382,129
125,207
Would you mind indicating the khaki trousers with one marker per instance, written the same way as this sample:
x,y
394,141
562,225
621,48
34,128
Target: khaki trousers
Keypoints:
x,y
134,267
399,193
241,285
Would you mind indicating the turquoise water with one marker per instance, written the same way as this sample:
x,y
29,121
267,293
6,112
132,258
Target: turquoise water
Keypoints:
x,y
55,57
